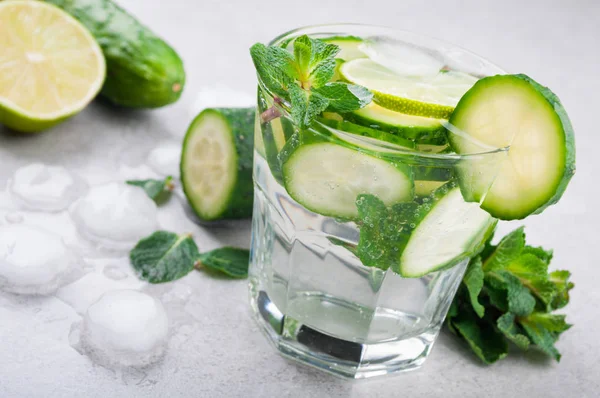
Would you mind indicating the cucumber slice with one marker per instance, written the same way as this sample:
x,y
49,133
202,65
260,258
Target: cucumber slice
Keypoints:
x,y
422,130
369,138
216,163
326,178
349,46
515,111
450,231
425,187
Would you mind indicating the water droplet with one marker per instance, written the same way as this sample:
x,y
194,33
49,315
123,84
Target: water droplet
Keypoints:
x,y
412,225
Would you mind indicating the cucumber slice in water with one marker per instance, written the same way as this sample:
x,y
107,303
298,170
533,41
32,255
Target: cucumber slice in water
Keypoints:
x,y
452,230
216,163
369,138
326,178
515,111
422,130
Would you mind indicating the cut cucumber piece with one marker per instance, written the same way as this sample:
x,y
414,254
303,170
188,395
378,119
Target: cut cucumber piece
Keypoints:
x,y
216,163
431,96
450,231
426,187
369,138
326,178
515,111
422,130
349,47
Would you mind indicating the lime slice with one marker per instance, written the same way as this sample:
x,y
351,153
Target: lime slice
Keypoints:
x,y
50,65
431,96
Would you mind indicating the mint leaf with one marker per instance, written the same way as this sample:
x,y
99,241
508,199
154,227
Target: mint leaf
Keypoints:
x,y
507,250
164,256
157,190
506,324
528,266
551,322
345,97
322,73
473,280
560,279
303,79
539,252
518,296
520,300
272,75
384,231
306,106
229,260
541,336
483,338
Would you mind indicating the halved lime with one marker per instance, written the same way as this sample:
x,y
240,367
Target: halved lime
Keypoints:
x,y
431,96
50,66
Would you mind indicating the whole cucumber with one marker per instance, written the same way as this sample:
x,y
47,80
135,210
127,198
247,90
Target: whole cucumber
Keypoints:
x,y
142,70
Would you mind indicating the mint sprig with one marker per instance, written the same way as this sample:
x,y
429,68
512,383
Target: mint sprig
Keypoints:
x,y
157,190
304,79
508,295
166,256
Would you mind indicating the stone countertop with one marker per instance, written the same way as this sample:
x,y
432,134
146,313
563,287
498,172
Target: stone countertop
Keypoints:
x,y
219,351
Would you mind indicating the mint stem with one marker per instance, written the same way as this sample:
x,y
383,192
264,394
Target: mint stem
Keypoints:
x,y
270,114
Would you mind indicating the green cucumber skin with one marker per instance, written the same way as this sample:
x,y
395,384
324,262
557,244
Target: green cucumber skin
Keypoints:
x,y
240,201
423,212
365,131
420,135
569,147
569,141
142,70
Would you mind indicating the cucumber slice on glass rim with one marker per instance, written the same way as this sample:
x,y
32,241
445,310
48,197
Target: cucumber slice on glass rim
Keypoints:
x,y
514,111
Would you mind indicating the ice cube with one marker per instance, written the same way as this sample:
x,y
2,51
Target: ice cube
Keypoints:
x,y
125,328
115,216
164,159
401,57
82,293
41,187
34,261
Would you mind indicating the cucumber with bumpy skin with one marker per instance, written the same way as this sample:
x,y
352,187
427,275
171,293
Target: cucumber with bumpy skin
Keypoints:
x,y
142,70
514,111
422,130
216,163
447,230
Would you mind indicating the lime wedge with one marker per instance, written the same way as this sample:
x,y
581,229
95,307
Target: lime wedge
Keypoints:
x,y
431,96
50,65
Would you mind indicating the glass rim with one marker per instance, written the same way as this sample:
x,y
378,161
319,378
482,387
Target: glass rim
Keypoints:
x,y
339,28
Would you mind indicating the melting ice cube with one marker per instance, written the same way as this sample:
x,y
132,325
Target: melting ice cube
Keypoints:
x,y
114,216
33,261
164,159
402,57
45,188
125,328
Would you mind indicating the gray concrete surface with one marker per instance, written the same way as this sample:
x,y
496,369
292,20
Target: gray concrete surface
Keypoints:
x,y
222,353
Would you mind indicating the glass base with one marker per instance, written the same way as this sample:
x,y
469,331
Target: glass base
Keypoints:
x,y
341,357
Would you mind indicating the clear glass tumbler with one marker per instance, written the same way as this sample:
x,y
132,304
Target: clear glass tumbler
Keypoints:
x,y
311,294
